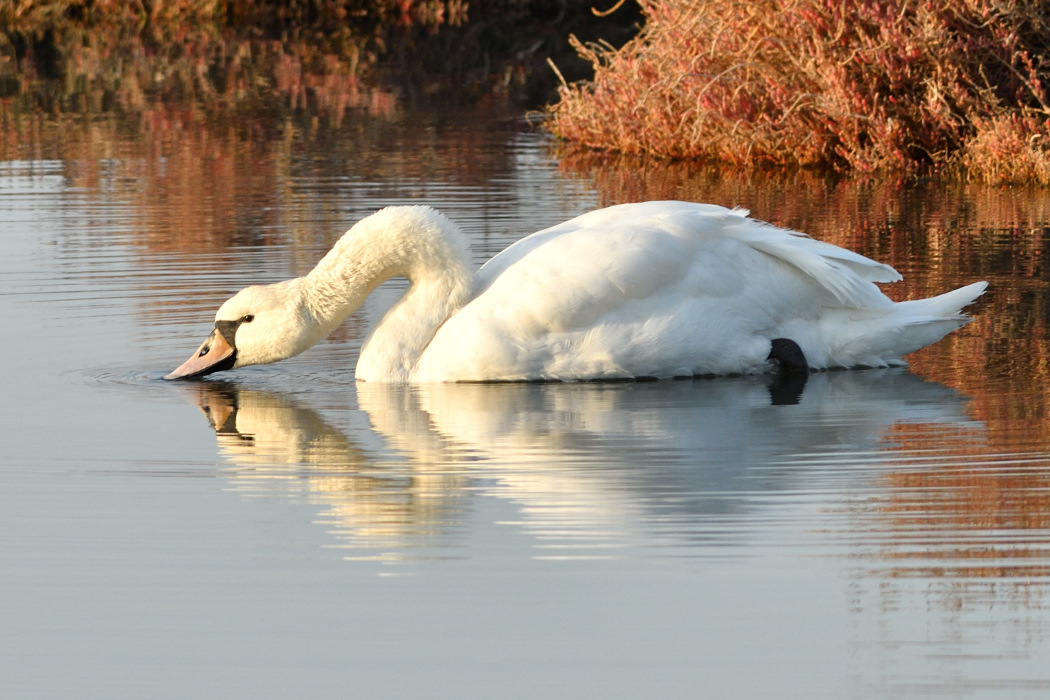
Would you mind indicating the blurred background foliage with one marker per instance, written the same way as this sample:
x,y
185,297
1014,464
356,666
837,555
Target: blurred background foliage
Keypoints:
x,y
92,55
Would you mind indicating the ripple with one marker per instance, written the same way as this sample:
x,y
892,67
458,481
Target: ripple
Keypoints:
x,y
116,377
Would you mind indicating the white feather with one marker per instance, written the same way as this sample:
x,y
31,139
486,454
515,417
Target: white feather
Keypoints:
x,y
656,289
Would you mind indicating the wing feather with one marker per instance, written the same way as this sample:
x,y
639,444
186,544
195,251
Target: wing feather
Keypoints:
x,y
687,280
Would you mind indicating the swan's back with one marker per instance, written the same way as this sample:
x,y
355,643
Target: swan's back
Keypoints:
x,y
702,224
655,289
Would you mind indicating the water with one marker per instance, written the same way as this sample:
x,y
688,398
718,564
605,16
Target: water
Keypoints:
x,y
282,532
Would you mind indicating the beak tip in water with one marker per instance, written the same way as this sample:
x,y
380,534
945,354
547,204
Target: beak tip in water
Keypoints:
x,y
214,355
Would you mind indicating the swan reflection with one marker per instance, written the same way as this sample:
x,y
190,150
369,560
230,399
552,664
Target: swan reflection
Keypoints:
x,y
584,468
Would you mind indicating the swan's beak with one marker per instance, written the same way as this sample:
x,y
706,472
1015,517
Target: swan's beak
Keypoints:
x,y
214,354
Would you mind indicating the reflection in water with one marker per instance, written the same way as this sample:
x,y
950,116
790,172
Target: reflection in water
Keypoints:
x,y
881,471
615,465
278,445
937,236
927,510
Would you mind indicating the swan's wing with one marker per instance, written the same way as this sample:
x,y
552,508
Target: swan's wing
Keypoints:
x,y
601,228
571,274
671,280
847,275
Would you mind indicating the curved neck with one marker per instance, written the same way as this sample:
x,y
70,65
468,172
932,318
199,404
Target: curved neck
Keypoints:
x,y
413,242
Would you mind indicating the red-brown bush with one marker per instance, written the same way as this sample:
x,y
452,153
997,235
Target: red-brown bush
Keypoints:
x,y
869,85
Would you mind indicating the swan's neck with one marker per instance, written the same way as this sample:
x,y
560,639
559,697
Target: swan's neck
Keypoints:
x,y
413,242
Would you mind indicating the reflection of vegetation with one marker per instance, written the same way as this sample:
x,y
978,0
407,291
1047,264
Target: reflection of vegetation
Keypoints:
x,y
200,184
205,105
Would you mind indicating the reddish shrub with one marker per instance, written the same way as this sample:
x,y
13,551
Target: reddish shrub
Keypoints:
x,y
862,84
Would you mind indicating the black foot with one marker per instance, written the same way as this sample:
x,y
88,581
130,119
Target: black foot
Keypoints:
x,y
786,353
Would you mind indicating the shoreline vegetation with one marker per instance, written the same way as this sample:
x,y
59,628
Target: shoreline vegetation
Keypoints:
x,y
952,87
958,89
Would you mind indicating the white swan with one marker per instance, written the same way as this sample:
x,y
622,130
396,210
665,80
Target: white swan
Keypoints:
x,y
658,289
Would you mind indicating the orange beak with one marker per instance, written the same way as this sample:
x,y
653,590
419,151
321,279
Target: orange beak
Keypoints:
x,y
214,355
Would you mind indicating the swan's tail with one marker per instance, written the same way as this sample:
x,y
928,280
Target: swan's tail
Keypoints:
x,y
883,337
925,321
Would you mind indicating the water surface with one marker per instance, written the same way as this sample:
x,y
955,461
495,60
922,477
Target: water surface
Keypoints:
x,y
284,532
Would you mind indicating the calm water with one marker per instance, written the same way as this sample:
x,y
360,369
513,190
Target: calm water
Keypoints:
x,y
281,532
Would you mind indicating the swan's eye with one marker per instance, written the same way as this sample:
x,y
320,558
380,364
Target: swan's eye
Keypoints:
x,y
247,318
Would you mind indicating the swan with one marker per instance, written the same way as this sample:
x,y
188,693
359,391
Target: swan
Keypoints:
x,y
644,290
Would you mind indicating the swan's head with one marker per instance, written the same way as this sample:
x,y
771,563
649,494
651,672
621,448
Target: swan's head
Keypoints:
x,y
258,325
